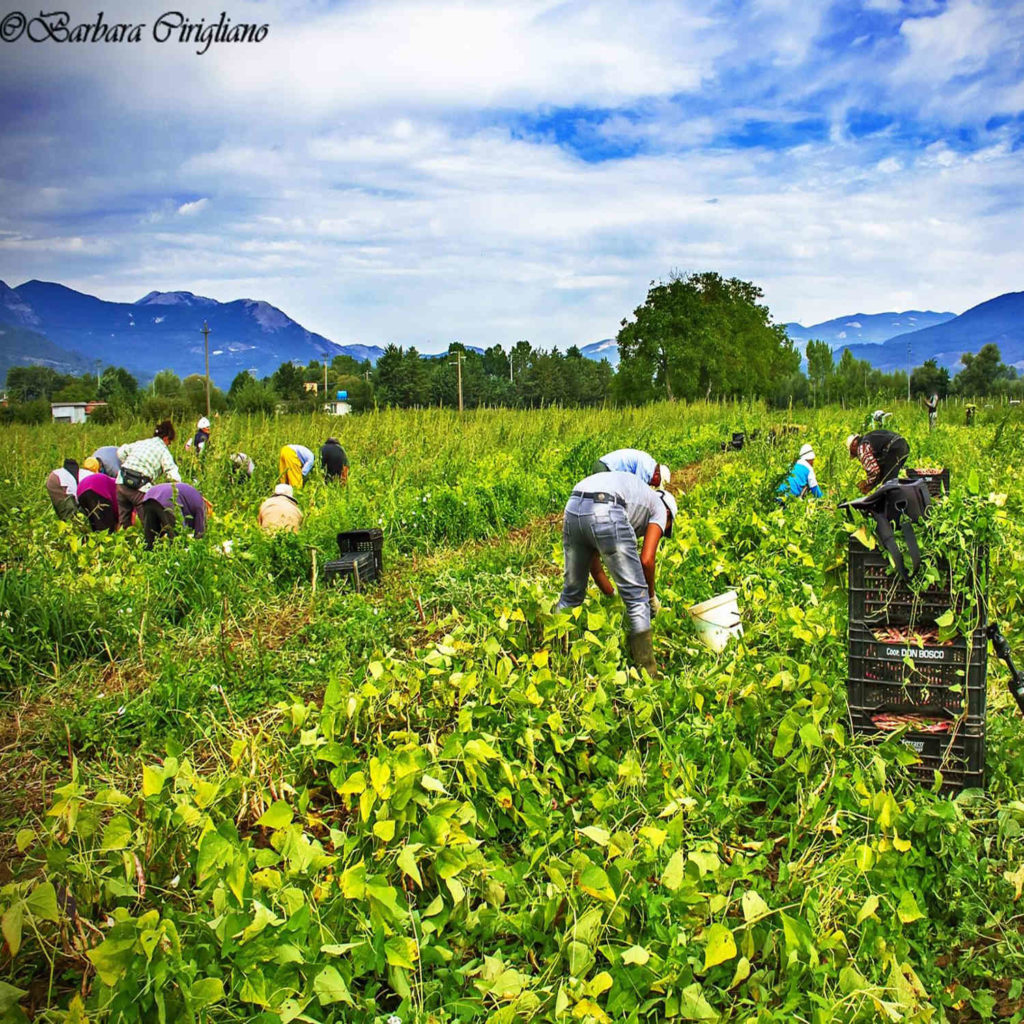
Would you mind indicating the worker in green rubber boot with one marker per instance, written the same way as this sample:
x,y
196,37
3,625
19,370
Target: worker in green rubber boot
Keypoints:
x,y
604,516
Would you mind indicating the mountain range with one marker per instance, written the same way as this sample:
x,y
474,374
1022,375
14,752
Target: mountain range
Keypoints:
x,y
72,331
866,328
50,324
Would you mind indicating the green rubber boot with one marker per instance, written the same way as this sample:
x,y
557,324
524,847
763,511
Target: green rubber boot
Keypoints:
x,y
641,647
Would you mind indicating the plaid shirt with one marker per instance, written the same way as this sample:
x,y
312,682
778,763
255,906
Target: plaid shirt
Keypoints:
x,y
148,457
866,457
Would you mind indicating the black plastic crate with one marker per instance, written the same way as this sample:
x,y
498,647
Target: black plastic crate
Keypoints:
x,y
877,594
371,540
359,567
937,483
958,754
904,676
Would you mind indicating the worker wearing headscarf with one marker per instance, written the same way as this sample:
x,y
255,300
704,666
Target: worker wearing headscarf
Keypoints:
x,y
62,487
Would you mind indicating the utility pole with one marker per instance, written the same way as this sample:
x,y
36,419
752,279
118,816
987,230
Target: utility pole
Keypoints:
x,y
458,363
510,380
908,371
325,379
99,363
206,345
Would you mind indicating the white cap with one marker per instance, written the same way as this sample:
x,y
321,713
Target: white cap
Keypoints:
x,y
203,424
807,452
285,489
849,442
666,475
879,413
670,503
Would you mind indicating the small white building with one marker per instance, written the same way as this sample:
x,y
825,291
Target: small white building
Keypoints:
x,y
337,408
72,412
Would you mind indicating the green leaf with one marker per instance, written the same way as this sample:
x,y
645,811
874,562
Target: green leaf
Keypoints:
x,y
594,881
278,815
693,1005
672,876
432,785
636,955
111,958
384,830
152,780
945,619
23,840
869,907
42,902
330,987
9,996
719,945
596,834
401,952
741,973
206,992
754,906
908,910
10,925
865,857
117,834
407,862
784,740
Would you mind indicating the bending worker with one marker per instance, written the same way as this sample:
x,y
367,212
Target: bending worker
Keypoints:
x,y
334,460
159,516
141,463
801,479
632,460
882,453
603,518
293,464
280,511
62,487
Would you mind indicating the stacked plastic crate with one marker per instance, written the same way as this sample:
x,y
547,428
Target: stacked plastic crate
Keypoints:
x,y
362,558
906,676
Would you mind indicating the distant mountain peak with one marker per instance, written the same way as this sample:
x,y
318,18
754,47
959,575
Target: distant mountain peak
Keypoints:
x,y
175,299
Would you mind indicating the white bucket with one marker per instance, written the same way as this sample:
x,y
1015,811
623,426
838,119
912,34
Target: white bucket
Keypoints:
x,y
717,620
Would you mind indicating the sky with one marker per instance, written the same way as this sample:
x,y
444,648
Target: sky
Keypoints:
x,y
427,172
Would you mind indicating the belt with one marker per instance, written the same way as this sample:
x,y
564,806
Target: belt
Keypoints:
x,y
602,496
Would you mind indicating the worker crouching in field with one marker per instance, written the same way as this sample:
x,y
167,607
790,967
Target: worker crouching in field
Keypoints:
x,y
97,499
334,460
882,453
141,463
632,460
293,465
801,480
158,515
603,518
280,511
241,468
199,442
62,487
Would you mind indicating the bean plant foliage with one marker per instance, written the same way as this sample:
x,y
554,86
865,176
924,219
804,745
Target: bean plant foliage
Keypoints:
x,y
247,797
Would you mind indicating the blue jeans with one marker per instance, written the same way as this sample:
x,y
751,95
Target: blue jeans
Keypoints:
x,y
602,527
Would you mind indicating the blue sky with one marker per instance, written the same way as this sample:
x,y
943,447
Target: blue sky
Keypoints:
x,y
424,172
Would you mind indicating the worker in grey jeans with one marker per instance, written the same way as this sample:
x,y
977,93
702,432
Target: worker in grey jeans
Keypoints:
x,y
605,515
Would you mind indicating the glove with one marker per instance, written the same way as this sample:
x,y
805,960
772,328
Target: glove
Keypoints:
x,y
655,606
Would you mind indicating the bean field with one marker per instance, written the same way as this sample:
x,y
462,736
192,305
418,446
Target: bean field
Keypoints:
x,y
232,792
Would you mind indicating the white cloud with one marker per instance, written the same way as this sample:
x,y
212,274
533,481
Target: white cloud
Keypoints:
x,y
191,209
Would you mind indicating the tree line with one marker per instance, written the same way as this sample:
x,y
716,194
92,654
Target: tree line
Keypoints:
x,y
696,337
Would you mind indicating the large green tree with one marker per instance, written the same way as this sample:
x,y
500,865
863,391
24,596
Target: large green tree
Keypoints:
x,y
820,368
982,373
929,379
701,335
